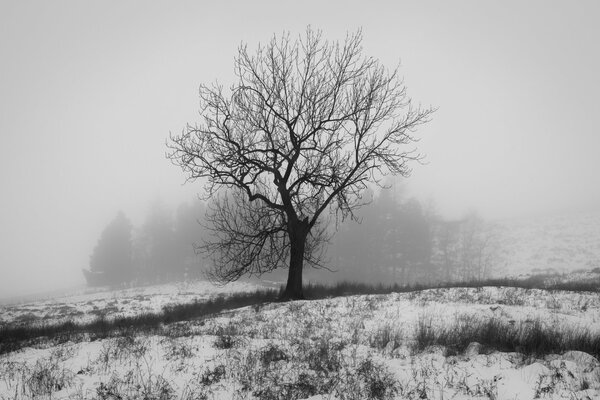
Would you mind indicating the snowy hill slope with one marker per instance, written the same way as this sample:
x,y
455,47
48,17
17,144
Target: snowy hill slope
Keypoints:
x,y
356,347
554,243
88,304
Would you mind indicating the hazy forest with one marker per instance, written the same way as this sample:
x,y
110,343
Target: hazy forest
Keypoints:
x,y
403,242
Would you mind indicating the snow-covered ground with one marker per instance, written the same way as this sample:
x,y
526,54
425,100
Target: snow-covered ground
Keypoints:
x,y
88,304
562,242
355,347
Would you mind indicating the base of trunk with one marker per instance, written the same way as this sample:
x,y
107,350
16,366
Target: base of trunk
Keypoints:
x,y
291,295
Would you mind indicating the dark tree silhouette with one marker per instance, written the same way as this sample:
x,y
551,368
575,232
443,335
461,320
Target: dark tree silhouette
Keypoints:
x,y
188,231
111,261
394,239
300,134
157,248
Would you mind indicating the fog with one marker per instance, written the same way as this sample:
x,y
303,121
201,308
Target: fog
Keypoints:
x,y
90,91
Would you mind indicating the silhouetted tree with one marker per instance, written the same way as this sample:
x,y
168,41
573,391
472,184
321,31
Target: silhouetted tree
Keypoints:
x,y
305,127
393,242
466,249
446,248
158,255
189,231
478,248
111,261
412,243
357,246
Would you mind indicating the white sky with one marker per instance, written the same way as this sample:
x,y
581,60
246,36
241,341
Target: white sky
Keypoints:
x,y
90,90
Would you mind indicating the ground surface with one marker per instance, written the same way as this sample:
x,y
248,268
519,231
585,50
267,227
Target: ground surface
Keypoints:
x,y
87,304
562,242
352,347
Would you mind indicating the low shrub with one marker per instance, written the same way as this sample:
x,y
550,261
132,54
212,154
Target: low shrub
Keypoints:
x,y
212,376
227,337
385,336
377,382
47,377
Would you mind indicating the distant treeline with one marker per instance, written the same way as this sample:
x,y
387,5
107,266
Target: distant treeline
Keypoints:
x,y
161,250
397,240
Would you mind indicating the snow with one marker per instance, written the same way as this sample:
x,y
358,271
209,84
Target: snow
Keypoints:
x,y
338,348
89,304
561,242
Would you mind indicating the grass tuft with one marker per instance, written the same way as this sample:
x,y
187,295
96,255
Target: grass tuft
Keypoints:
x,y
531,338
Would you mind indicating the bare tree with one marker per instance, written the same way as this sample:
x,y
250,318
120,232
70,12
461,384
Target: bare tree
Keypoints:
x,y
300,134
446,248
253,238
466,249
479,247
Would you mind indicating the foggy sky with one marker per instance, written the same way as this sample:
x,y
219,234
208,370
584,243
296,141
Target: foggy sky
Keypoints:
x,y
90,90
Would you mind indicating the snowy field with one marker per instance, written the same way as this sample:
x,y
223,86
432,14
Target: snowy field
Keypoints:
x,y
355,347
88,304
562,242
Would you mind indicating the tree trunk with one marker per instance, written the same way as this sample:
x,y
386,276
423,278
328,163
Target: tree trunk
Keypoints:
x,y
293,289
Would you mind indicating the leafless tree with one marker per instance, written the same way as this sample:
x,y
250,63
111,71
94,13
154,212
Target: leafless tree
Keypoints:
x,y
467,249
479,248
306,126
253,238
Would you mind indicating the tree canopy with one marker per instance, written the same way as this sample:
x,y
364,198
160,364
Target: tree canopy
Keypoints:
x,y
111,260
306,126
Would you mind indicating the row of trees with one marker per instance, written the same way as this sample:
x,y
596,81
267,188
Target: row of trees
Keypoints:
x,y
397,240
402,241
161,250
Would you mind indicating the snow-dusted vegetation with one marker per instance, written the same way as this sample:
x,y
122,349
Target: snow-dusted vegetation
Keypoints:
x,y
451,343
88,304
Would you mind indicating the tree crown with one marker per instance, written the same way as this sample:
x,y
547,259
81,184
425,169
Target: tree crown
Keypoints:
x,y
307,124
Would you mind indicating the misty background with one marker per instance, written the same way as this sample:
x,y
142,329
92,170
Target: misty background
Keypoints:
x,y
90,91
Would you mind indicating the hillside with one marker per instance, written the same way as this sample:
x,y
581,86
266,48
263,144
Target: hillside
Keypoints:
x,y
412,345
558,243
88,304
